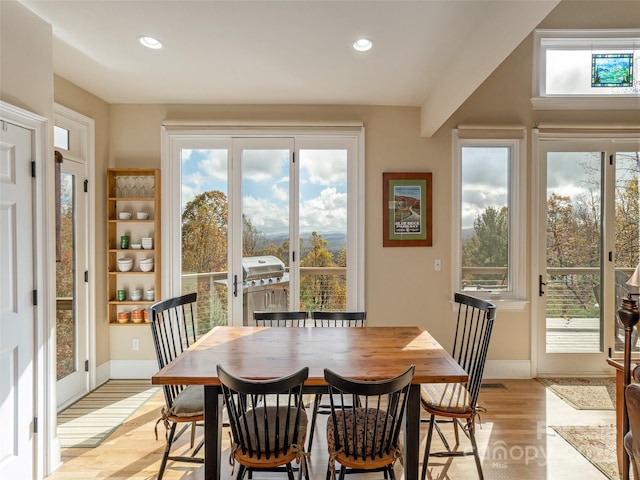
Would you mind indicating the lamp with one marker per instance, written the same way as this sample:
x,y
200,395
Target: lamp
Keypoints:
x,y
628,314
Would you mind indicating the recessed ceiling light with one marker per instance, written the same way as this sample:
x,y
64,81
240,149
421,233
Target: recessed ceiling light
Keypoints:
x,y
362,44
150,42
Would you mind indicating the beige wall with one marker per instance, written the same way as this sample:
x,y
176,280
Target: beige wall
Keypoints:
x,y
26,59
81,101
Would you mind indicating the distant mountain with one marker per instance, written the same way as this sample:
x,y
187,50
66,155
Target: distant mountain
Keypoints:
x,y
335,240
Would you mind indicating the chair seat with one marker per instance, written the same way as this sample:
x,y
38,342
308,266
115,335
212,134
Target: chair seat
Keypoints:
x,y
264,444
371,419
451,398
189,402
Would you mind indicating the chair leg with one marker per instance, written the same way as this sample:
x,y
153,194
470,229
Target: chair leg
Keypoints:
x,y
476,455
290,472
167,449
193,433
427,447
314,415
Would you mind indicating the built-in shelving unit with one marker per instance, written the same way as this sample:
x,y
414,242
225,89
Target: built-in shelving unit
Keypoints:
x,y
136,192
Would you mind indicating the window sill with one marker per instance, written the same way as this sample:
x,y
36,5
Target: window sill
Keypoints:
x,y
586,103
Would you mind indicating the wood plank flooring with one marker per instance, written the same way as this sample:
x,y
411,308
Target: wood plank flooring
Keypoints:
x,y
515,441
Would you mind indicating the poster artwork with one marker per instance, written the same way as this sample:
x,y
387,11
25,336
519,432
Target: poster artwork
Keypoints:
x,y
406,201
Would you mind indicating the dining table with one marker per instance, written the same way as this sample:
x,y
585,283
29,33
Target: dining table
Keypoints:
x,y
367,354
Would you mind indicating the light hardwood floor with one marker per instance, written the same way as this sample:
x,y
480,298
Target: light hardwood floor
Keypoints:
x,y
517,422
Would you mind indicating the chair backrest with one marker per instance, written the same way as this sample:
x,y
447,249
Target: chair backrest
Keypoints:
x,y
338,319
471,342
173,329
266,416
371,429
280,319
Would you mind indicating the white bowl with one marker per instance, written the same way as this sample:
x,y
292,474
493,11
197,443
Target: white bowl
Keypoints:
x,y
136,246
146,267
125,267
146,260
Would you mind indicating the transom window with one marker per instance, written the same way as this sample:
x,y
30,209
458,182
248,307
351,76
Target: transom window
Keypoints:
x,y
586,69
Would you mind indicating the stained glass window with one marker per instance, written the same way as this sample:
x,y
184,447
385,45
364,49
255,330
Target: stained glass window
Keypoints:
x,y
611,70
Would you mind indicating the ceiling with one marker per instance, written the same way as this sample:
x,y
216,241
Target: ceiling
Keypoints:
x,y
426,53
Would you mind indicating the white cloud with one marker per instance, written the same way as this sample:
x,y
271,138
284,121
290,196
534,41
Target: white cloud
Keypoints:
x,y
325,213
324,167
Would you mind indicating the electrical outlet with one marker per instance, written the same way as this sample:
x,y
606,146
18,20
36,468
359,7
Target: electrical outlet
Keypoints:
x,y
437,265
135,344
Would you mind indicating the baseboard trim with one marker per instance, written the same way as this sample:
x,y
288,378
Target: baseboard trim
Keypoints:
x,y
132,369
507,369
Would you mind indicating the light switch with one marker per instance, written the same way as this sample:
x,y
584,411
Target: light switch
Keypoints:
x,y
437,265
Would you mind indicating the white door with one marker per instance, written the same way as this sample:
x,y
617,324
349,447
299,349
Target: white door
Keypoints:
x,y
17,312
72,314
589,240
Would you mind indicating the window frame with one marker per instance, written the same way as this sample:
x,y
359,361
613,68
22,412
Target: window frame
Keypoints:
x,y
543,40
516,140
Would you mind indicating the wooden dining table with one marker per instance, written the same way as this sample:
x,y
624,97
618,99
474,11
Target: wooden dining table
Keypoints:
x,y
369,353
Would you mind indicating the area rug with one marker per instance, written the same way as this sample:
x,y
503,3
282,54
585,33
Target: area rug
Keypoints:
x,y
596,443
584,393
89,421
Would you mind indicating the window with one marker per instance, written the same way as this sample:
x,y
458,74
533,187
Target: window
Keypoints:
x,y
489,215
586,69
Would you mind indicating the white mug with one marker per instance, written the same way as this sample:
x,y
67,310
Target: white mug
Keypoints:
x,y
142,215
125,215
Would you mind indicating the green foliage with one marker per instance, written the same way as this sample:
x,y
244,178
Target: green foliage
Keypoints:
x,y
489,246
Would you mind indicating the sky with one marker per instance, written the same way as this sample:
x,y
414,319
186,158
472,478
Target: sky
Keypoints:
x,y
265,186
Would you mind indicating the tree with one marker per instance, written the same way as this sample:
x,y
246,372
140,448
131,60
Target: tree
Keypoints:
x,y
204,250
204,233
489,246
253,240
320,291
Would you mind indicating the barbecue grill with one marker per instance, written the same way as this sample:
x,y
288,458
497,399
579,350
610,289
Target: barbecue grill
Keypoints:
x,y
265,286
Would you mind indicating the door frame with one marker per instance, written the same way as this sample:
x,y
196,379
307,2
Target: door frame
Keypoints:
x,y
83,129
46,455
595,136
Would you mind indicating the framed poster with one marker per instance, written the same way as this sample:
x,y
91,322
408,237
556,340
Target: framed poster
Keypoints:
x,y
406,209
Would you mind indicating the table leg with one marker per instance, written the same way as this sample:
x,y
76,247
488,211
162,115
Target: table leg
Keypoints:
x,y
212,432
412,434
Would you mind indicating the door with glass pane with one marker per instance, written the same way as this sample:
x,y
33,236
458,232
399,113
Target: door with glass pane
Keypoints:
x,y
204,236
71,287
579,287
265,225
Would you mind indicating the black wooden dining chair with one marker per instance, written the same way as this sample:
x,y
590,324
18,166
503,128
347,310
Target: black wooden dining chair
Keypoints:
x,y
266,436
280,319
366,438
325,318
173,328
457,402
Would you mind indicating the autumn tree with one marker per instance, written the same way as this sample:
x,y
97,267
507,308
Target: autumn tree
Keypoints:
x,y
204,233
319,291
204,250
